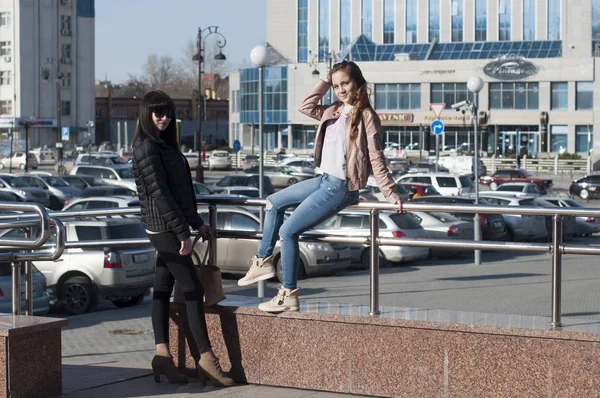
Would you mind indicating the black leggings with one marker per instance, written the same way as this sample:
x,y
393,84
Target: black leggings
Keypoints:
x,y
171,267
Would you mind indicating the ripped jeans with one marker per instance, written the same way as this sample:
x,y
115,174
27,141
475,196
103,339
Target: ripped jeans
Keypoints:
x,y
316,199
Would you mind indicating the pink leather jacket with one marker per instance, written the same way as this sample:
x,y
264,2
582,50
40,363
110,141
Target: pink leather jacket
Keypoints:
x,y
365,155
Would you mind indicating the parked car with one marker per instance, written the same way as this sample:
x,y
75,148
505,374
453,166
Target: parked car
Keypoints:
x,y
586,226
96,159
299,165
121,175
233,254
8,197
83,277
246,180
219,160
356,223
520,228
201,189
281,176
570,226
108,190
24,192
83,181
376,191
193,159
493,226
520,188
439,225
60,191
41,301
426,167
44,156
419,189
445,183
587,187
249,161
508,175
397,165
102,202
250,192
18,161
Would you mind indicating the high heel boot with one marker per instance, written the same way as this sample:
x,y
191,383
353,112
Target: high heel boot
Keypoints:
x,y
162,365
209,365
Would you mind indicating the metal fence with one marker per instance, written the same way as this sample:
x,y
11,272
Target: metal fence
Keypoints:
x,y
43,219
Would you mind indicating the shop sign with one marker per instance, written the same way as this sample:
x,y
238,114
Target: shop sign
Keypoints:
x,y
450,119
510,67
396,117
438,72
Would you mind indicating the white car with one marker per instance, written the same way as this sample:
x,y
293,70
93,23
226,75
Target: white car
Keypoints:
x,y
102,202
18,161
219,160
519,189
300,165
445,183
121,175
193,159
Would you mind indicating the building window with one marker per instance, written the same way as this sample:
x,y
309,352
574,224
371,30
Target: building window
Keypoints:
x,y
395,97
367,18
457,20
434,20
274,96
6,107
65,25
559,139
5,77
411,21
323,30
584,138
302,30
585,96
480,20
560,96
304,138
553,19
4,18
596,28
514,96
65,108
529,20
504,20
66,79
124,112
65,51
450,93
5,48
345,6
389,10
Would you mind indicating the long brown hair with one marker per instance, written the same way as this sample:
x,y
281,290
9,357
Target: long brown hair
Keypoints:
x,y
360,100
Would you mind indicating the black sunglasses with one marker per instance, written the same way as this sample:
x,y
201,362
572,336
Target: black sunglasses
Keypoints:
x,y
162,112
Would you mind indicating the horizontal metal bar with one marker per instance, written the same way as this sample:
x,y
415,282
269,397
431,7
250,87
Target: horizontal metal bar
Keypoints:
x,y
59,247
42,221
579,250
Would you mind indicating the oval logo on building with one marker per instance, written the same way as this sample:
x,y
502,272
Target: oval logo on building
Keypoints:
x,y
510,67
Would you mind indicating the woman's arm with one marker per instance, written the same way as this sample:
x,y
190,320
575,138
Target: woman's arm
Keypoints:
x,y
310,106
380,171
151,169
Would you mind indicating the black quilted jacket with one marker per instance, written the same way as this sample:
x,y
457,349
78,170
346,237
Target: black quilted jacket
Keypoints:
x,y
164,185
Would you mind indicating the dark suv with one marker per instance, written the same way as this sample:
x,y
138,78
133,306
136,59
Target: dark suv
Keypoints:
x,y
493,226
587,187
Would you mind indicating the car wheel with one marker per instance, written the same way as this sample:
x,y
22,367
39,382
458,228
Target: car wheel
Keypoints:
x,y
22,166
76,295
493,186
2,166
278,269
584,194
128,302
291,182
365,259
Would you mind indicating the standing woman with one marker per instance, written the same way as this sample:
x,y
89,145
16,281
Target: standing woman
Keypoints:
x,y
348,147
169,209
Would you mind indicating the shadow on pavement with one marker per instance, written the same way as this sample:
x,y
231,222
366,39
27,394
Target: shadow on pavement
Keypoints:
x,y
484,277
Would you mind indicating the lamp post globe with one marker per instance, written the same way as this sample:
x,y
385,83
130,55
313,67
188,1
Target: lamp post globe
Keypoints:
x,y
260,55
475,84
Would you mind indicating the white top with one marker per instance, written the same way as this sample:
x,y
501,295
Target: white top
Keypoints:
x,y
334,146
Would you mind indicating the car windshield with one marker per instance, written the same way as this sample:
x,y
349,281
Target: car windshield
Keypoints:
x,y
510,188
15,182
125,173
55,181
405,221
573,203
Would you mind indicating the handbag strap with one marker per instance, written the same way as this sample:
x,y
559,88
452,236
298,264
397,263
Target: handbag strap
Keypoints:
x,y
203,263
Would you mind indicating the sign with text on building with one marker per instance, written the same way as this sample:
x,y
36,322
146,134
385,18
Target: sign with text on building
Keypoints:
x,y
510,67
396,117
458,119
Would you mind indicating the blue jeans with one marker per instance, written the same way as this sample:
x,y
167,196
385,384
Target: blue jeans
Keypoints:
x,y
317,199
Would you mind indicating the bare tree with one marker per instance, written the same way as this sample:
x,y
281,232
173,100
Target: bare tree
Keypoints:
x,y
160,71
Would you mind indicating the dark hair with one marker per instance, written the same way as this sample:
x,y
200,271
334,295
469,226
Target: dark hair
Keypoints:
x,y
156,101
360,100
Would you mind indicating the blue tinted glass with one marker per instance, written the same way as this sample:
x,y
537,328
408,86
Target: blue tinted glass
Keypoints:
x,y
528,19
480,20
434,20
344,23
595,19
457,20
323,30
367,18
389,9
553,19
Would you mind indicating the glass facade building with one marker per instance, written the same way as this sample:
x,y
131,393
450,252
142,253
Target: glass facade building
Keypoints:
x,y
389,10
367,18
504,22
275,95
434,20
411,21
395,97
457,20
302,30
480,20
345,11
323,30
528,19
554,19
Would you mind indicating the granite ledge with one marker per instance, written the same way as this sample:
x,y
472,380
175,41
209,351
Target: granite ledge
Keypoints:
x,y
19,325
580,332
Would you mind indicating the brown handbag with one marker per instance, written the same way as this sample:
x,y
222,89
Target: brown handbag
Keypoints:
x,y
210,277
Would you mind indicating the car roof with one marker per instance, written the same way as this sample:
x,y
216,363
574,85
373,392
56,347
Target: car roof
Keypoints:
x,y
117,166
114,198
515,184
101,222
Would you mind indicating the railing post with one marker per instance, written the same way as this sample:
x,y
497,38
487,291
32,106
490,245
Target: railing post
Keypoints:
x,y
493,164
557,240
524,165
16,288
28,281
374,262
212,245
556,165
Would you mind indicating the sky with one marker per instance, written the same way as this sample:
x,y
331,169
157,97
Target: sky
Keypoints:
x,y
127,31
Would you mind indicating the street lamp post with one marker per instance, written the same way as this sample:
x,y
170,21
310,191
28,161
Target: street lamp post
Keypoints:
x,y
475,85
199,56
260,57
47,73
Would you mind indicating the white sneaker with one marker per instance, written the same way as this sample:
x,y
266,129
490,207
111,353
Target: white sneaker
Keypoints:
x,y
260,270
285,300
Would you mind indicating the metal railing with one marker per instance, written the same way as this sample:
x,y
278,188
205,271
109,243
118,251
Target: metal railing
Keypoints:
x,y
556,248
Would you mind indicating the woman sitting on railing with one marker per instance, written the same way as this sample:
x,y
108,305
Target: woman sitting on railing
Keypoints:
x,y
348,147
